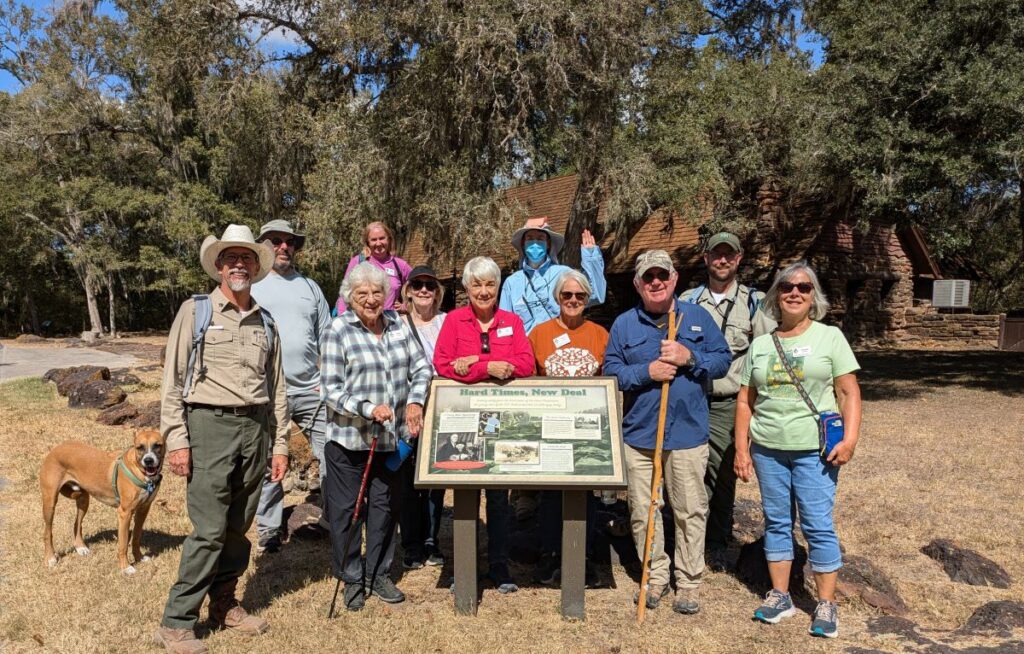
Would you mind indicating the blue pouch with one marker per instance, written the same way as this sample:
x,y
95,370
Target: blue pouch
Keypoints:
x,y
401,453
830,431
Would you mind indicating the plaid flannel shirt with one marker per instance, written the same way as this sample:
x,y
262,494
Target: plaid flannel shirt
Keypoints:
x,y
360,371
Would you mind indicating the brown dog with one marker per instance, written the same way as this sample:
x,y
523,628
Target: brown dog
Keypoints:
x,y
128,481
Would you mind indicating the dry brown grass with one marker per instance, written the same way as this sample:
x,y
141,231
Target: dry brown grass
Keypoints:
x,y
943,463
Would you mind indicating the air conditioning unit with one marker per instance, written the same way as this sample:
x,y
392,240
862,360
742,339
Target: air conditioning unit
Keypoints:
x,y
951,293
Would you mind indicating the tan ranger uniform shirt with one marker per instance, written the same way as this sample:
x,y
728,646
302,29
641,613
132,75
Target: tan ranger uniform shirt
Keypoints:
x,y
235,352
738,333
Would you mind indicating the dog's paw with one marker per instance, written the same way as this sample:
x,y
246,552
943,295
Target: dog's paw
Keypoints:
x,y
145,558
83,551
51,562
130,570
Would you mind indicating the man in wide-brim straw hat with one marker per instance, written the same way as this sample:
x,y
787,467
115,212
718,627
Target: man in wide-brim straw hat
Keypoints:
x,y
220,404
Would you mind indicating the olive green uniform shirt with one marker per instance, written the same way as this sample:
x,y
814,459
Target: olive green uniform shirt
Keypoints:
x,y
739,332
241,370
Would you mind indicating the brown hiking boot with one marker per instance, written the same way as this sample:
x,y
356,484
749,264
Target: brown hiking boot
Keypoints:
x,y
179,641
226,612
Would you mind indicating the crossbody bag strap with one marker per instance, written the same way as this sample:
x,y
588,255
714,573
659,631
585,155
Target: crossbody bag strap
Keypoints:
x,y
793,377
415,332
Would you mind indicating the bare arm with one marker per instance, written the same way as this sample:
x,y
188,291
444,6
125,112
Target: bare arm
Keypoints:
x,y
744,466
848,394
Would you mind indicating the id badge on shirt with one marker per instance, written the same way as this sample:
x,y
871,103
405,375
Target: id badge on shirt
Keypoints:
x,y
503,332
561,340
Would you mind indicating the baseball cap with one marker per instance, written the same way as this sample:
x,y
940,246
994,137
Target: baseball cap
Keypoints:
x,y
727,238
653,259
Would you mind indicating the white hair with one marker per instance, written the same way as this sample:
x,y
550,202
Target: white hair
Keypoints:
x,y
480,269
819,302
363,274
574,276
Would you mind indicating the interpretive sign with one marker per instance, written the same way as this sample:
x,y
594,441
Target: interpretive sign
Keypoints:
x,y
538,432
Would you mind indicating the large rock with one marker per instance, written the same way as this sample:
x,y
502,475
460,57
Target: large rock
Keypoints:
x,y
29,338
68,379
148,418
1000,617
122,377
98,394
860,578
118,414
966,566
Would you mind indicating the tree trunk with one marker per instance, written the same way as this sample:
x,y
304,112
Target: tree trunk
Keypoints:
x,y
583,214
89,279
111,305
33,314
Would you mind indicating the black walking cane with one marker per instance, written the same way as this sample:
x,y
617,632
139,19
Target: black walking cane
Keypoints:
x,y
355,519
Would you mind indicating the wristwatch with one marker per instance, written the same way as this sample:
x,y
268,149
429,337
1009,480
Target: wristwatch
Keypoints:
x,y
689,361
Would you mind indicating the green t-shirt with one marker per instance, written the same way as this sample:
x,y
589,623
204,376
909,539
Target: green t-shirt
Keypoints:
x,y
782,420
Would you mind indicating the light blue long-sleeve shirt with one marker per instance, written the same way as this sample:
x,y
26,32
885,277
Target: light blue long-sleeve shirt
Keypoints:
x,y
303,318
529,292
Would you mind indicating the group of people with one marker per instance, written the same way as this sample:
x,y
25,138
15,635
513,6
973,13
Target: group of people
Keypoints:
x,y
262,350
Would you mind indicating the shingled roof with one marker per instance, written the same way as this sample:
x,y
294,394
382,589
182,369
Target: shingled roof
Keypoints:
x,y
553,198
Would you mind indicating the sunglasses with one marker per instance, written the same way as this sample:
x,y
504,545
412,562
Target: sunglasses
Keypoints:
x,y
485,343
277,240
568,295
803,287
660,275
232,259
420,284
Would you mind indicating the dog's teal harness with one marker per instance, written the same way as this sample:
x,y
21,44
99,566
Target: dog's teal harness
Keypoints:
x,y
148,486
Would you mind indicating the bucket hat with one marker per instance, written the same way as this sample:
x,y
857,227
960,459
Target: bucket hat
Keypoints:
x,y
539,223
285,227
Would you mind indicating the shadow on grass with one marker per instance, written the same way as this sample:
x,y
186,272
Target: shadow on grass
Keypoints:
x,y
154,543
907,374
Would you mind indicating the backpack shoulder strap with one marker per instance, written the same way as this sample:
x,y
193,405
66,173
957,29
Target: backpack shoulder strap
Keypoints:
x,y
695,295
270,327
753,301
201,318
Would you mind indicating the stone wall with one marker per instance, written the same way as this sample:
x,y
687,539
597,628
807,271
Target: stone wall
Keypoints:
x,y
926,326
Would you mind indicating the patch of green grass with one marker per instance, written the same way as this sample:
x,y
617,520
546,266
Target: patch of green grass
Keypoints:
x,y
32,390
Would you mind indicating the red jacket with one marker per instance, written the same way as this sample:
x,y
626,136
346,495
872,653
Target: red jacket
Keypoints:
x,y
460,337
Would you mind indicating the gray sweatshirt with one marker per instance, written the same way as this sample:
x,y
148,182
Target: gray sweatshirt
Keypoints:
x,y
303,318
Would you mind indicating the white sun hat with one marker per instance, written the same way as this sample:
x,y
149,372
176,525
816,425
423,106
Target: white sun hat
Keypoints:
x,y
235,236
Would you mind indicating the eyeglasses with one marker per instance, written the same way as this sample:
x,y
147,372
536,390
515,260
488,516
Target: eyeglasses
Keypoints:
x,y
568,295
277,240
660,275
804,287
231,259
485,342
420,284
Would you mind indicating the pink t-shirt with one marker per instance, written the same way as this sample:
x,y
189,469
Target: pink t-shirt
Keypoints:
x,y
394,267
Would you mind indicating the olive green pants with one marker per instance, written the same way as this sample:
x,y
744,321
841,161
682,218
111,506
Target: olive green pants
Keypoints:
x,y
720,478
229,458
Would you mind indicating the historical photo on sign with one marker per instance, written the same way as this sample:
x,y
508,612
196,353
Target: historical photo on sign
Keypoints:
x,y
517,453
459,446
524,432
490,424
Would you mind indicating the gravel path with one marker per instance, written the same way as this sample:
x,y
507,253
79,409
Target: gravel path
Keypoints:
x,y
16,362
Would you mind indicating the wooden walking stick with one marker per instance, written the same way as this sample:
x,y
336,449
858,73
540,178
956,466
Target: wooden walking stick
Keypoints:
x,y
641,605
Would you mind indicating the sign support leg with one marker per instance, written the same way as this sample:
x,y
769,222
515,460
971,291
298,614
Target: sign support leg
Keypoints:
x,y
574,551
467,511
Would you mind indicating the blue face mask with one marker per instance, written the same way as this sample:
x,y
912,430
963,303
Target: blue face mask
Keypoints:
x,y
535,251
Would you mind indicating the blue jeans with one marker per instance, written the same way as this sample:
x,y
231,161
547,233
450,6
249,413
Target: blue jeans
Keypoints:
x,y
802,475
304,407
419,520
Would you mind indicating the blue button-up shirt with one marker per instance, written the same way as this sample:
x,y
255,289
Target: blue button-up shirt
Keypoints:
x,y
634,342
528,293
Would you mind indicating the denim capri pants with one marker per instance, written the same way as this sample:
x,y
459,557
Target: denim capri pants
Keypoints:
x,y
801,475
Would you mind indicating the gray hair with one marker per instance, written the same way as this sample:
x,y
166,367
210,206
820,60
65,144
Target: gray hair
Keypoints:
x,y
819,302
479,269
363,274
574,276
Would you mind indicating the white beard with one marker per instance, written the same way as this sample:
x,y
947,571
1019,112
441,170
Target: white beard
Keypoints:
x,y
239,285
